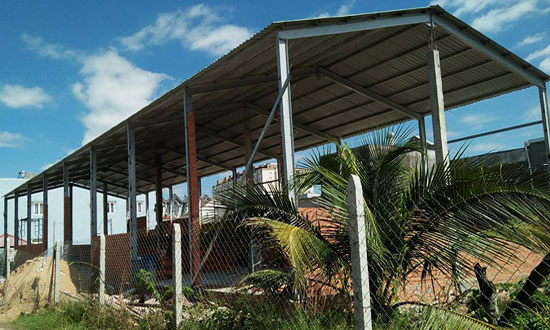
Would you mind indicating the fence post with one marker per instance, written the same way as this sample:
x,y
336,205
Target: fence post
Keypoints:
x,y
8,256
359,265
57,253
101,268
176,266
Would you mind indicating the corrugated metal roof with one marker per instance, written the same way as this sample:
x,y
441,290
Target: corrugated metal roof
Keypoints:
x,y
390,61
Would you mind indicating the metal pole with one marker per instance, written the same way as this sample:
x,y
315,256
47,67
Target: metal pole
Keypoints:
x,y
169,203
147,210
545,123
93,193
6,239
177,280
132,194
101,268
45,215
105,210
286,116
359,261
158,189
57,270
16,219
422,133
29,214
438,107
192,189
66,206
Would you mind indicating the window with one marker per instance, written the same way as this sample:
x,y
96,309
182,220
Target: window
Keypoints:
x,y
139,207
23,229
37,208
111,207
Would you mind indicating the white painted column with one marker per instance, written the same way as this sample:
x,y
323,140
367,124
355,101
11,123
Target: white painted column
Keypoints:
x,y
93,193
359,260
438,107
543,98
57,252
176,277
286,116
101,290
132,190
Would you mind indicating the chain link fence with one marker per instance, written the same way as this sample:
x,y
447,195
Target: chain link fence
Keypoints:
x,y
468,253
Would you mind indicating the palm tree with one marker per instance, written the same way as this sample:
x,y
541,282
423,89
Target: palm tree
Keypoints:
x,y
419,218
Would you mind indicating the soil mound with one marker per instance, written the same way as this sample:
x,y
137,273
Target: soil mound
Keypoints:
x,y
31,287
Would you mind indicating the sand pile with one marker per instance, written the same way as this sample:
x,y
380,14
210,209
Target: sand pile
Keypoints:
x,y
31,287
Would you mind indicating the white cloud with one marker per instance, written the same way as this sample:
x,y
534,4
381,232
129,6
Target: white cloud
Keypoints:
x,y
199,27
533,113
539,53
44,49
344,9
17,96
545,65
463,7
112,89
475,119
531,39
484,147
495,19
11,140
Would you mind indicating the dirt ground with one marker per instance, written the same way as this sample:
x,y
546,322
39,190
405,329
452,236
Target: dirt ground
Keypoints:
x,y
30,288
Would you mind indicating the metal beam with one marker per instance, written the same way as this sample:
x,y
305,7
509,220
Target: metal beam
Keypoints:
x,y
67,234
282,91
422,133
248,81
215,134
7,244
371,24
258,110
478,45
158,188
500,130
368,93
287,129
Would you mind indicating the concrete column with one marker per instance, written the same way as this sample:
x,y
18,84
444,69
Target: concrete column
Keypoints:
x,y
543,98
132,189
67,228
287,128
438,107
29,214
359,259
101,291
93,193
16,219
105,209
192,189
176,277
158,188
45,215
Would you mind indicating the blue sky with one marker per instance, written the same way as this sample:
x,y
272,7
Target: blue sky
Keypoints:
x,y
70,70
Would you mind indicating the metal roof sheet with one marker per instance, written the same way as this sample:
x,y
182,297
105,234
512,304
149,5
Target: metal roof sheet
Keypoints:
x,y
390,61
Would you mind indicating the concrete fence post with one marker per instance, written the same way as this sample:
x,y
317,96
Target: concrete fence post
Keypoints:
x,y
101,269
8,264
57,254
359,265
176,266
